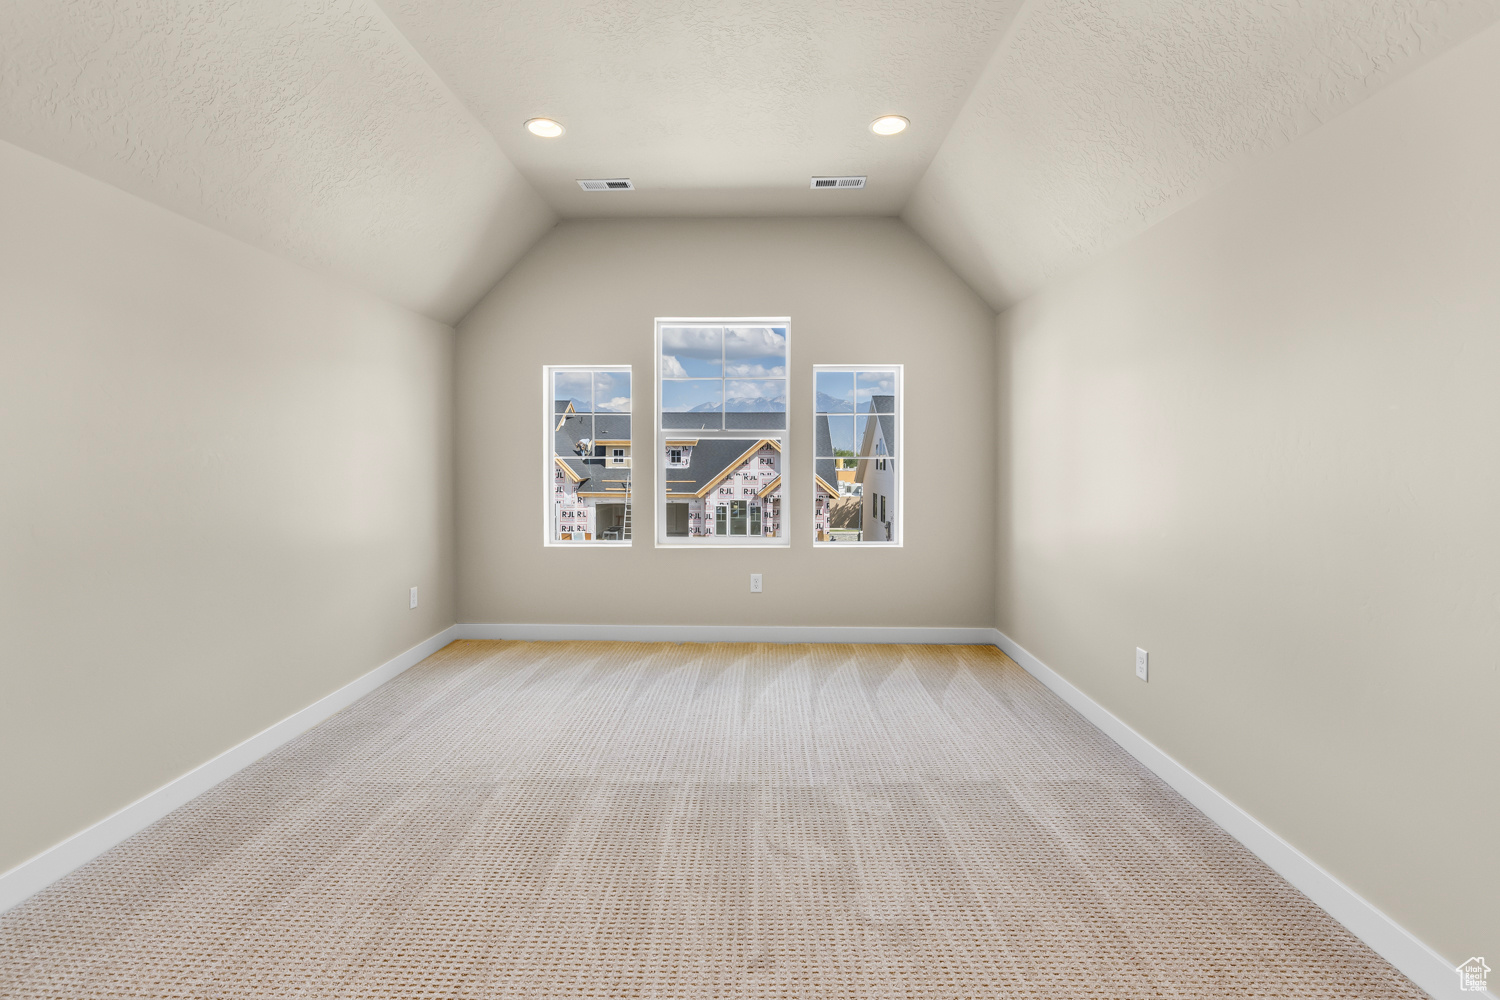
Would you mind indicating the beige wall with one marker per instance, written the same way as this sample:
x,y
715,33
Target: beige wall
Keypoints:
x,y
221,473
856,291
1263,442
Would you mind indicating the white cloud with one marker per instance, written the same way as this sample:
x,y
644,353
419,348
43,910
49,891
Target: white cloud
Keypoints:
x,y
743,370
672,368
620,404
775,391
692,342
611,384
573,385
753,342
875,384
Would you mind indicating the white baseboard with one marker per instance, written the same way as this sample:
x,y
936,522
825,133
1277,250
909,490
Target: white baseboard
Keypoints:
x,y
1388,939
731,633
29,877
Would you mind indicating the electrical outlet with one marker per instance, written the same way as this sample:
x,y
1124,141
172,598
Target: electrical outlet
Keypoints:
x,y
1142,664
414,597
754,583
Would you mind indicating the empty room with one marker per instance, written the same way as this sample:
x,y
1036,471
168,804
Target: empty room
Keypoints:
x,y
657,499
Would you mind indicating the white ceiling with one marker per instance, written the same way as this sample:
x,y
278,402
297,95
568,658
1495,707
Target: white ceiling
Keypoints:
x,y
389,149
308,127
720,108
1096,119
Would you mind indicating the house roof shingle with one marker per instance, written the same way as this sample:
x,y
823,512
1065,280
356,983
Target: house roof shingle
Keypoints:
x,y
575,428
709,459
825,468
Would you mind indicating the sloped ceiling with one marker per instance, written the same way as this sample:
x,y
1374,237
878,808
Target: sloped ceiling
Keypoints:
x,y
385,144
1096,119
308,127
720,108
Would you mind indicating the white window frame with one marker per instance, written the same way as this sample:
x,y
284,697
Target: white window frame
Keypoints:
x,y
549,425
898,527
659,495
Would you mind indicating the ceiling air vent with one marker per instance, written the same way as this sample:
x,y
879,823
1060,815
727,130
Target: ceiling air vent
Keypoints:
x,y
613,184
838,182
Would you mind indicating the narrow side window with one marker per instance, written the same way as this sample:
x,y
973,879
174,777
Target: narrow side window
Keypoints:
x,y
588,455
856,454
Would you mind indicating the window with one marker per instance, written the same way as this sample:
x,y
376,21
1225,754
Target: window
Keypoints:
x,y
857,454
587,449
721,424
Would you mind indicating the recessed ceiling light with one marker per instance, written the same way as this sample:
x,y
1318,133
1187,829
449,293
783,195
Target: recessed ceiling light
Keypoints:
x,y
888,125
544,127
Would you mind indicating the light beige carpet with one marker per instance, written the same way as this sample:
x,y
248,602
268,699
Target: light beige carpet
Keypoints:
x,y
515,819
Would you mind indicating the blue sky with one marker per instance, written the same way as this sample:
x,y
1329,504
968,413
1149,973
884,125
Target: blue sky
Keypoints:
x,y
747,352
850,392
605,392
679,397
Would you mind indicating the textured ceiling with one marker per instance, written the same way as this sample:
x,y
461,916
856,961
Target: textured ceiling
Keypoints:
x,y
308,127
722,108
1098,118
1042,132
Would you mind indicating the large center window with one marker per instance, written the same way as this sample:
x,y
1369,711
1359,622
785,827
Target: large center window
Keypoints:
x,y
721,426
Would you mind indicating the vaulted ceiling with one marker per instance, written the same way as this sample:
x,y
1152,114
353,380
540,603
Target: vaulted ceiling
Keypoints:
x,y
723,108
1096,119
384,143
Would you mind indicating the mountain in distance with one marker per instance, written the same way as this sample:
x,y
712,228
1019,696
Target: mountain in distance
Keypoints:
x,y
583,407
757,405
832,404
